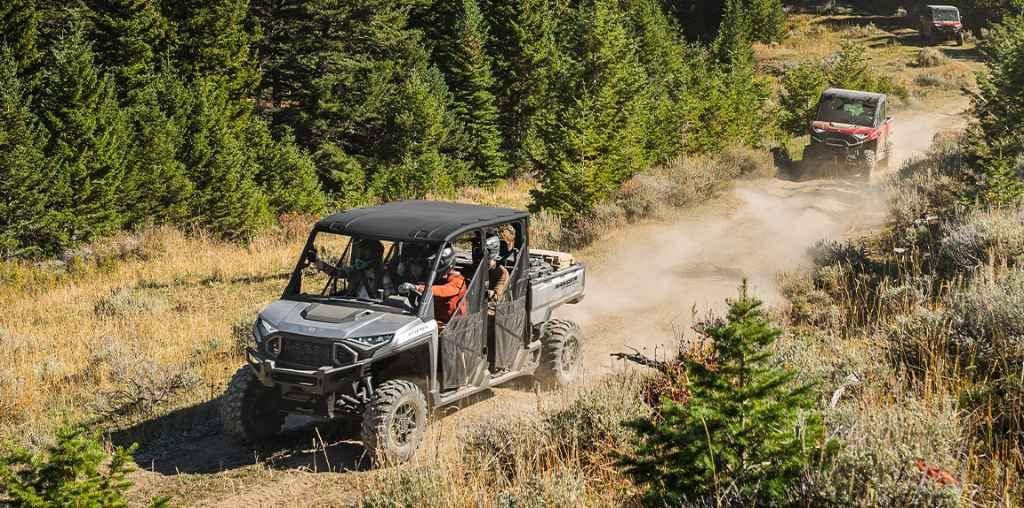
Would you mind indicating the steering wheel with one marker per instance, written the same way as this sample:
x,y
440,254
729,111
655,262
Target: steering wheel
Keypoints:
x,y
408,290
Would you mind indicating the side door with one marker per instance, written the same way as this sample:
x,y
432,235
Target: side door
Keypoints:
x,y
509,323
463,339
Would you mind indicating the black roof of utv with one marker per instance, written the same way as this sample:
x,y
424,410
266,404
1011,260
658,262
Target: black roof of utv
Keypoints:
x,y
430,221
853,95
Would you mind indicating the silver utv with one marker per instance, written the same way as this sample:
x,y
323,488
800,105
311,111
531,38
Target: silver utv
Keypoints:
x,y
382,358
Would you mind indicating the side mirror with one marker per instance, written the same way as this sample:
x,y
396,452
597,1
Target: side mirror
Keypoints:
x,y
406,289
888,119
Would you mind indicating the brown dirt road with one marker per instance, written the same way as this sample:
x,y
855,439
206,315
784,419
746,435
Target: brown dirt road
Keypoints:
x,y
649,280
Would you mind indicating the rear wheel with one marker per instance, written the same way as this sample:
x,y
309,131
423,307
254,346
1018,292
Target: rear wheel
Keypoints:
x,y
250,411
561,353
394,422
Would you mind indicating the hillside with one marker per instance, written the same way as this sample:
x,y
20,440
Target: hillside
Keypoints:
x,y
873,283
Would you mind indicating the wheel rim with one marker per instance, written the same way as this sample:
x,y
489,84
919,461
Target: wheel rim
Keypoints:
x,y
403,424
570,354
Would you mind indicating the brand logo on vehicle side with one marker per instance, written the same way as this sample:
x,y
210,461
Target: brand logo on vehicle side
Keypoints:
x,y
567,282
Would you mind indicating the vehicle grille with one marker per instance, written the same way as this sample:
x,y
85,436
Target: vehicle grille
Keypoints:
x,y
839,140
305,353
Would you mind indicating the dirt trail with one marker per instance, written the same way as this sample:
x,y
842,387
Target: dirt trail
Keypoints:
x,y
644,284
643,293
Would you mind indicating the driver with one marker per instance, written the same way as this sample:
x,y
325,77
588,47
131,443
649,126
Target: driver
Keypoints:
x,y
366,275
450,287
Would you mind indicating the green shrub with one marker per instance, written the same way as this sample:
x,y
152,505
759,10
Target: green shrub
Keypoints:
x,y
747,431
996,145
72,472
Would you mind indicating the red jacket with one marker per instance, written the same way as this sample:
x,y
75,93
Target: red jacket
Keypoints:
x,y
448,296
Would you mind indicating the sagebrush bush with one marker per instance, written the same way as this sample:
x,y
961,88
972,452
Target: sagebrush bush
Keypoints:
x,y
406,487
877,464
141,385
124,301
983,238
559,487
930,57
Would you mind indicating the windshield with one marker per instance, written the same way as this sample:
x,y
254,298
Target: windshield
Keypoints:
x,y
349,268
847,110
945,15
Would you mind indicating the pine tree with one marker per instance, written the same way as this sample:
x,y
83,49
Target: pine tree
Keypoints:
x,y
746,429
88,139
421,121
221,165
597,141
472,83
528,62
287,175
132,39
997,143
673,107
217,40
767,20
157,187
732,44
26,224
19,20
75,471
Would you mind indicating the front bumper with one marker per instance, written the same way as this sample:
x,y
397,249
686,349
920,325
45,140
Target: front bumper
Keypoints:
x,y
322,381
850,150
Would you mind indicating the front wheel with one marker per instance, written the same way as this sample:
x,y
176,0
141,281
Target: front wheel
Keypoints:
x,y
561,353
394,422
249,411
868,164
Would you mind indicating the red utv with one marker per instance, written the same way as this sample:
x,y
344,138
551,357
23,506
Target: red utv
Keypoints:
x,y
850,129
941,23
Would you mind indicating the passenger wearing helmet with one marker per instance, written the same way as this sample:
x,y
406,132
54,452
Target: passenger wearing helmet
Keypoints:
x,y
366,276
497,275
449,288
412,263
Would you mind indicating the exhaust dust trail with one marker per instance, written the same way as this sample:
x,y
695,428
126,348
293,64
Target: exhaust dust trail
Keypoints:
x,y
651,279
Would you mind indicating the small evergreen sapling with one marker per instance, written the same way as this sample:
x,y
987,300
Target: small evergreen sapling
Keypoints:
x,y
70,473
745,435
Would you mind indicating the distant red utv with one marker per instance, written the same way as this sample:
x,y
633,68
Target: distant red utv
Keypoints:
x,y
850,128
939,23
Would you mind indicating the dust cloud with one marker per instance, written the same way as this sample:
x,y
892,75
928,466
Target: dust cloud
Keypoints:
x,y
648,281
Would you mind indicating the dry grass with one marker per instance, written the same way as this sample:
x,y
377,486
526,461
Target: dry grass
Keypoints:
x,y
932,74
77,334
920,339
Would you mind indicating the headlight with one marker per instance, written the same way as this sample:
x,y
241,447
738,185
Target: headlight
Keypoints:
x,y
817,130
273,346
260,330
372,340
861,137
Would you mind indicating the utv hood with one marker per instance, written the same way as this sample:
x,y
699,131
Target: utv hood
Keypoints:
x,y
333,320
846,129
